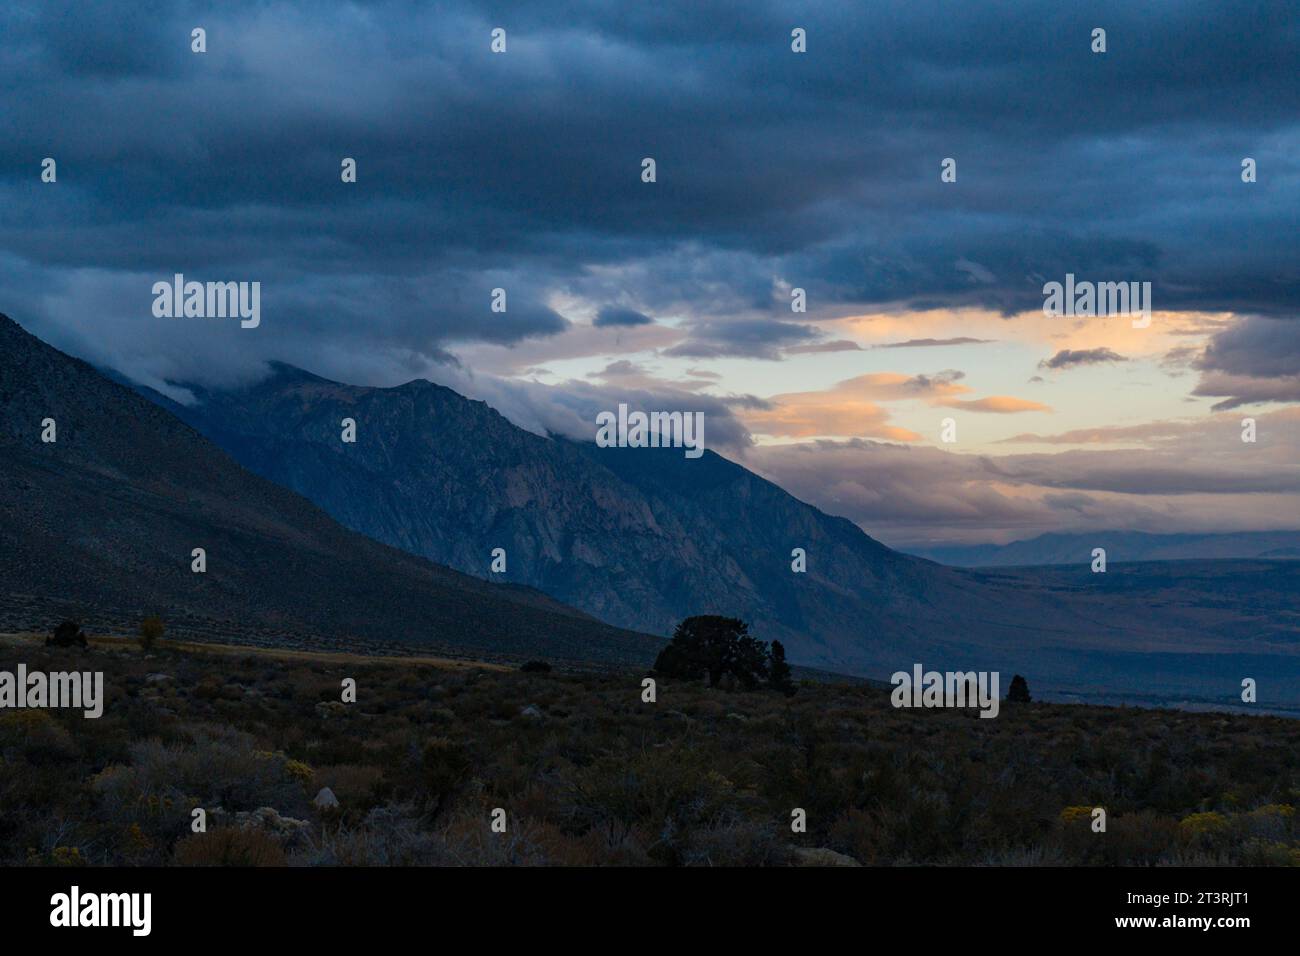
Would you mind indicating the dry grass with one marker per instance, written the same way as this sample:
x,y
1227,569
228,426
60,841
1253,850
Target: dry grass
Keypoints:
x,y
130,644
589,775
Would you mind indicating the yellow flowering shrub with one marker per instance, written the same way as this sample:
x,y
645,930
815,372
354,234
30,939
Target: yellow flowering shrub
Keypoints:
x,y
1203,824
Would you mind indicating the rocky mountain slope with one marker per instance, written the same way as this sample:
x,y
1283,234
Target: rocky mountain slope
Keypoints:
x,y
637,537
105,519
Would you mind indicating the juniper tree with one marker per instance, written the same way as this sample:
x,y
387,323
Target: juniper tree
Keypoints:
x,y
778,677
1018,692
67,634
714,646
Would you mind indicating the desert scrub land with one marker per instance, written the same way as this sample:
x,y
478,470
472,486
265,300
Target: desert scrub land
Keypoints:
x,y
590,775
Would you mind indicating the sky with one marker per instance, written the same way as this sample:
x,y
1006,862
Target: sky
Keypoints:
x,y
775,170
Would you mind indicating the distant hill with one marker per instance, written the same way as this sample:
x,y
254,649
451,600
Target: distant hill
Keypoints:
x,y
1062,548
103,521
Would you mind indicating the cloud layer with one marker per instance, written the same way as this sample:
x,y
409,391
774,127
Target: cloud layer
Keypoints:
x,y
521,170
781,178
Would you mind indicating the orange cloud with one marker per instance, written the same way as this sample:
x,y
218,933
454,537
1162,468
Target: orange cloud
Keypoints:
x,y
998,404
808,419
849,408
1167,329
881,387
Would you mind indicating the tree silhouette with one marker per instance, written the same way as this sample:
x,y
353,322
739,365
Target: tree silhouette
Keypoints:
x,y
1018,692
67,634
711,645
779,671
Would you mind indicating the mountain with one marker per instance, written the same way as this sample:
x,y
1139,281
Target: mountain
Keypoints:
x,y
637,537
102,521
644,537
1057,548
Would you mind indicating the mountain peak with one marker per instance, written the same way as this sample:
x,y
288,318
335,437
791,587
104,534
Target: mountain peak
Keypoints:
x,y
636,537
283,372
103,522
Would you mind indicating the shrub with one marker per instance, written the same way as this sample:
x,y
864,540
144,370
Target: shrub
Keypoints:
x,y
36,736
1072,815
355,785
1203,829
388,836
151,632
443,767
221,767
228,846
67,856
1139,839
536,667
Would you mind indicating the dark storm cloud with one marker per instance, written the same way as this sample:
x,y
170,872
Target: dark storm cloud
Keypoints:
x,y
927,383
1255,346
838,345
521,170
1068,358
613,315
754,338
1255,360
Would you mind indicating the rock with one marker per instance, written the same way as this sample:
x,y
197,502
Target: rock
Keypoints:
x,y
741,717
820,856
269,819
531,712
326,798
156,678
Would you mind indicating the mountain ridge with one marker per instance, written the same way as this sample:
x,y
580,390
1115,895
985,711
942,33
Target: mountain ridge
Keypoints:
x,y
629,535
643,537
1069,547
109,517
108,514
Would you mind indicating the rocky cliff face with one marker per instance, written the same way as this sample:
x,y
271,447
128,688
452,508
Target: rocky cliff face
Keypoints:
x,y
637,537
106,517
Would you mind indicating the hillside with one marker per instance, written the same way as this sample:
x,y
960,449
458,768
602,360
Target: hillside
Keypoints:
x,y
103,521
